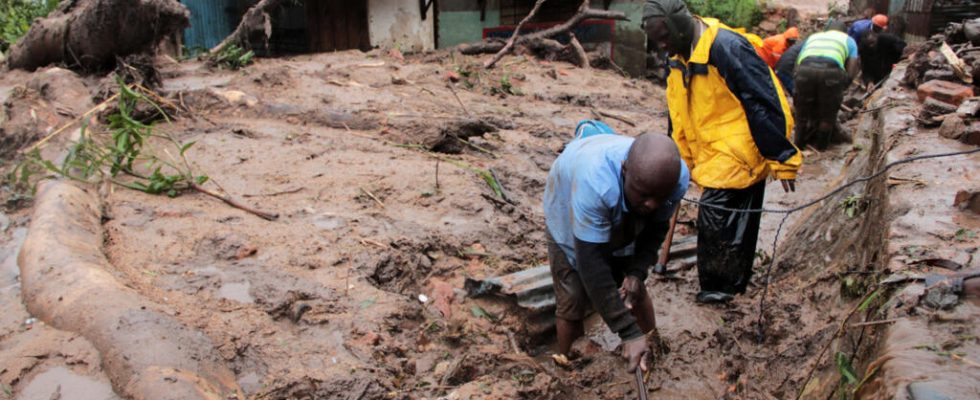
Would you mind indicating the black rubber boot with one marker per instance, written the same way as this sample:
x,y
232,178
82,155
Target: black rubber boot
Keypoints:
x,y
707,297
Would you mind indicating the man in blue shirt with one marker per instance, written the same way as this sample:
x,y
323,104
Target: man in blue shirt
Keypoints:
x,y
861,27
607,204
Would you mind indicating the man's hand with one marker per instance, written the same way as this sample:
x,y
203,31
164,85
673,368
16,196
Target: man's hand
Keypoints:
x,y
635,352
630,291
789,185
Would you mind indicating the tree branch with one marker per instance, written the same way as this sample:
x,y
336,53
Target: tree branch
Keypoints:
x,y
253,17
513,38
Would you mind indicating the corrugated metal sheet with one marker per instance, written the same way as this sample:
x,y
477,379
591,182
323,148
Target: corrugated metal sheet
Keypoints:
x,y
533,292
927,17
946,11
211,22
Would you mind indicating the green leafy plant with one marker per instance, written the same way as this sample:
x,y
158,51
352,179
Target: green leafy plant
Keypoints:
x,y
963,235
852,205
506,87
232,57
95,157
735,13
132,154
16,17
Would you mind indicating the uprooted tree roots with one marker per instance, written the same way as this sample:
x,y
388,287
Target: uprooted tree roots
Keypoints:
x,y
91,34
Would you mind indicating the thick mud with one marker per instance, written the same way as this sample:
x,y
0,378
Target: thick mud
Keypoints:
x,y
377,173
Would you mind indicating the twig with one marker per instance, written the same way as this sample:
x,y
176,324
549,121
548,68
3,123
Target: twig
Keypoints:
x,y
437,175
872,323
452,369
494,200
63,128
608,114
274,194
476,147
235,203
513,342
840,330
583,57
463,106
372,196
513,37
500,185
373,243
964,360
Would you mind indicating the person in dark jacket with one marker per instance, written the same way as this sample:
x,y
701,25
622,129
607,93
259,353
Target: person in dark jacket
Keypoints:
x,y
732,124
786,67
607,203
879,53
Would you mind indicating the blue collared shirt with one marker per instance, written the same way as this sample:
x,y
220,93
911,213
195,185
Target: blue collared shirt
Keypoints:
x,y
584,196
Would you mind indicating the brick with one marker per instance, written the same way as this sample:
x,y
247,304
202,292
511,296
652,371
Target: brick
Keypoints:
x,y
947,92
932,108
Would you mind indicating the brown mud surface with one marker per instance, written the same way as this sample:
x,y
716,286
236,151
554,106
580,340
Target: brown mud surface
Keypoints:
x,y
356,290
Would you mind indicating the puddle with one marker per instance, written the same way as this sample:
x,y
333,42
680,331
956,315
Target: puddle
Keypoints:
x,y
9,272
329,222
196,82
237,291
61,383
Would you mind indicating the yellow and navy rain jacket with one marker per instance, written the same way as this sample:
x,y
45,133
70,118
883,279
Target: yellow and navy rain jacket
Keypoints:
x,y
728,113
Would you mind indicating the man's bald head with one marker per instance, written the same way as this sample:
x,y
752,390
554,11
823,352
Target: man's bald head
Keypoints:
x,y
651,171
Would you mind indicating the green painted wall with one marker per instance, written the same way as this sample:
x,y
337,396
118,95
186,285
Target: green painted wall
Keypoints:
x,y
631,42
458,27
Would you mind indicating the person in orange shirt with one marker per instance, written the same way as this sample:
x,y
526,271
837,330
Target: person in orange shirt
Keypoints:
x,y
774,46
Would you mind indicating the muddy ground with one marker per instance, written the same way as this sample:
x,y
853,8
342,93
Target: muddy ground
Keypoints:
x,y
326,302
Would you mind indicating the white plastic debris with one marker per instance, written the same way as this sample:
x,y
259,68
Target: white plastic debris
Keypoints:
x,y
423,298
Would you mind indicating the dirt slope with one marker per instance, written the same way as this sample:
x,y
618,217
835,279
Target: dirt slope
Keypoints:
x,y
325,302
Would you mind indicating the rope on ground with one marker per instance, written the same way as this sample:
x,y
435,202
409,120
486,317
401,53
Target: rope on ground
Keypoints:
x,y
760,333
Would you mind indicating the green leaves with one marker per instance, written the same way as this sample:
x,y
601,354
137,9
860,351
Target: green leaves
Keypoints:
x,y
845,368
734,13
16,17
852,205
114,155
232,57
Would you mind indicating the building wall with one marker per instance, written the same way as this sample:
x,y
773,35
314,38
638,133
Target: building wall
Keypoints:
x,y
459,22
398,23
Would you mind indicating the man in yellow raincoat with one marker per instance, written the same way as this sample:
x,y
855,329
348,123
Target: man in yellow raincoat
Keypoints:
x,y
732,124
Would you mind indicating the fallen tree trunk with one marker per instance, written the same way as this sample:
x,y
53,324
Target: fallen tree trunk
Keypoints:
x,y
256,19
91,34
67,284
542,39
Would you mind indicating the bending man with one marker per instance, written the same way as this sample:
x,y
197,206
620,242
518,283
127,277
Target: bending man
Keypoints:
x,y
608,203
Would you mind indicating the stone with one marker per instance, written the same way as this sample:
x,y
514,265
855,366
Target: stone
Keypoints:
x,y
966,200
947,92
971,135
926,391
970,107
953,127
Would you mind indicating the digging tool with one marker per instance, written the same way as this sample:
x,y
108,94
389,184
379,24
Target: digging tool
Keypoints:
x,y
641,388
661,266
